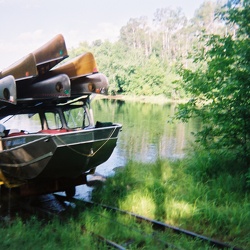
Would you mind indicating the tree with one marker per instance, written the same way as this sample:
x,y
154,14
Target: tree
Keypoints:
x,y
147,52
220,86
204,17
149,79
169,22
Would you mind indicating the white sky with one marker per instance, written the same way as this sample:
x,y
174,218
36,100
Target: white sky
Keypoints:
x,y
25,25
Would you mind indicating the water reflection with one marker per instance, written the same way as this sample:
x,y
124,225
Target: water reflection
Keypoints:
x,y
146,134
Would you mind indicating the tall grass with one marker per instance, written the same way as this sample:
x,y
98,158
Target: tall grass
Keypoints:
x,y
37,234
217,205
183,193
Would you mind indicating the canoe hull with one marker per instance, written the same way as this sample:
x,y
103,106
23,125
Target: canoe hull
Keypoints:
x,y
57,86
8,90
39,61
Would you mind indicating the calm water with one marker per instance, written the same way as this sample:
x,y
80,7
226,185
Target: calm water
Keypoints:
x,y
146,134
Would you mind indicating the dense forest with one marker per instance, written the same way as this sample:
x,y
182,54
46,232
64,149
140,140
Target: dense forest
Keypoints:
x,y
146,57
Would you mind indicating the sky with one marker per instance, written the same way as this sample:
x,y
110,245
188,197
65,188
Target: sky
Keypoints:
x,y
25,25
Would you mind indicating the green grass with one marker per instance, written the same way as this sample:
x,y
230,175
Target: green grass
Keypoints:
x,y
36,234
182,193
218,207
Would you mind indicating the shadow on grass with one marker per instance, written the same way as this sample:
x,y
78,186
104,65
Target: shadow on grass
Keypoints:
x,y
167,192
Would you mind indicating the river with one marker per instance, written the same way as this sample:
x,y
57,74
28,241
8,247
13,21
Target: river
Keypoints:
x,y
147,133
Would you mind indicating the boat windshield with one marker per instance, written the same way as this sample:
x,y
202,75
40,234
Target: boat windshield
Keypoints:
x,y
53,120
76,118
25,122
73,116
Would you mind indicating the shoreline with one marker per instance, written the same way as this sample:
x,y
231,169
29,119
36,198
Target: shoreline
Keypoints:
x,y
143,99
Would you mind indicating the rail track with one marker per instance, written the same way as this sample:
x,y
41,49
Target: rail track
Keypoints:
x,y
159,226
51,207
58,205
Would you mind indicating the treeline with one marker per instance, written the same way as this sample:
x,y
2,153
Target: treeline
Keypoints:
x,y
146,57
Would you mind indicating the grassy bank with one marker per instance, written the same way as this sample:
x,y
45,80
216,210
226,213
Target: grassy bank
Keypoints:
x,y
217,206
170,192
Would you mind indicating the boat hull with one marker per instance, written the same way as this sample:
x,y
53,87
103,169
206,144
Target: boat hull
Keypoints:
x,y
67,154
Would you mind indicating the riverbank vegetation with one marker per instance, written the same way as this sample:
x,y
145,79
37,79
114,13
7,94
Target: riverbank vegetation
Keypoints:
x,y
184,193
219,85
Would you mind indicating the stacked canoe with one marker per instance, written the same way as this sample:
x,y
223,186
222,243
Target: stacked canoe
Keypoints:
x,y
39,76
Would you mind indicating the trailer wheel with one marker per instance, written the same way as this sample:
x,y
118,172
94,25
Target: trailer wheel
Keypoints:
x,y
70,192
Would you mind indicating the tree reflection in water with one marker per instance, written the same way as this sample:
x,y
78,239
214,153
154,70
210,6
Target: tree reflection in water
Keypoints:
x,y
146,134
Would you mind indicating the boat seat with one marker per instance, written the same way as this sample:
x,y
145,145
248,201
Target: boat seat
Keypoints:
x,y
103,124
53,131
16,134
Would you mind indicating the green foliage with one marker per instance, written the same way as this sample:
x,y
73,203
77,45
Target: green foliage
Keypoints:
x,y
148,79
130,71
143,60
205,165
220,86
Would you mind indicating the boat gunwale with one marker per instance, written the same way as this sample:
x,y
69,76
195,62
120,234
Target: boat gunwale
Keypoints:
x,y
46,136
114,127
